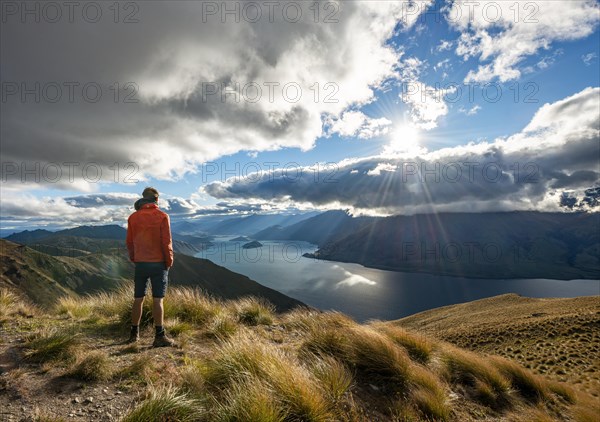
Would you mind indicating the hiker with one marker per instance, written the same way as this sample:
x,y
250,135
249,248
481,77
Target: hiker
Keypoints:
x,y
151,249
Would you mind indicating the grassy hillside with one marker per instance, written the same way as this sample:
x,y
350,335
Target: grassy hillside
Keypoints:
x,y
239,361
45,278
559,338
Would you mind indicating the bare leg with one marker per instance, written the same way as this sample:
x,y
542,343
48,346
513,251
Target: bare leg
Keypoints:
x,y
136,313
157,311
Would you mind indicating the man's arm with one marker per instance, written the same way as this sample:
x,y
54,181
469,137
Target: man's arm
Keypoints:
x,y
129,240
166,242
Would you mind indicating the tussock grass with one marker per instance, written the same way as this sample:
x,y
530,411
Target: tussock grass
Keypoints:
x,y
140,368
323,366
376,356
531,414
52,345
563,391
178,327
222,326
529,385
95,366
254,311
333,375
191,305
250,400
486,382
245,357
12,304
166,404
431,403
306,319
74,307
418,347
586,410
373,355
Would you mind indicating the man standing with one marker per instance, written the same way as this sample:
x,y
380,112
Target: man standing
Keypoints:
x,y
151,249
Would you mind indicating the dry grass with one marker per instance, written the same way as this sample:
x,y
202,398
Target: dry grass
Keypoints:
x,y
52,345
529,385
556,338
302,366
418,347
166,404
12,304
191,305
95,366
254,311
485,382
250,400
245,359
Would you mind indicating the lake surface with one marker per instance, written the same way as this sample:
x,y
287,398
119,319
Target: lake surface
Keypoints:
x,y
367,293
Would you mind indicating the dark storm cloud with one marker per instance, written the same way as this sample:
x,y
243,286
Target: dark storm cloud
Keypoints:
x,y
522,172
164,119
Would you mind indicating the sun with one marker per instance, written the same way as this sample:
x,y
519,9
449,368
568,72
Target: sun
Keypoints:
x,y
404,138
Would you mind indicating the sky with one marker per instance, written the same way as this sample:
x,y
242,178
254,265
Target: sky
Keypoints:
x,y
376,107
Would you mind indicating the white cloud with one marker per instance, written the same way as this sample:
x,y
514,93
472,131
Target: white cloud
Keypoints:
x,y
589,58
444,45
356,123
471,111
426,103
504,34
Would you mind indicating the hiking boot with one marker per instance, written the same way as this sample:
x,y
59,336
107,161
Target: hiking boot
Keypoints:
x,y
163,341
133,338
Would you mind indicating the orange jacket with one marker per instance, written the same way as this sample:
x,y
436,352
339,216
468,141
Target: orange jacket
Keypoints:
x,y
149,236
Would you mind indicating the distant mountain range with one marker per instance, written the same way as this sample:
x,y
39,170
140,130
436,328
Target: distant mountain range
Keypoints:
x,y
489,245
244,225
92,239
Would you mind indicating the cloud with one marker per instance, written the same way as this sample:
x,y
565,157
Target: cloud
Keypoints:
x,y
357,124
444,45
470,112
196,84
556,152
426,103
589,58
503,34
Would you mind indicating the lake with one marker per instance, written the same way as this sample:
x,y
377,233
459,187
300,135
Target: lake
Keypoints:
x,y
367,293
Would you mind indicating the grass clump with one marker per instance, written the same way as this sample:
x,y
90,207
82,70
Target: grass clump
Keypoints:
x,y
333,376
96,366
52,345
178,328
246,359
250,400
222,326
12,304
563,391
141,369
166,404
254,311
532,387
431,403
485,382
75,307
190,305
418,347
371,354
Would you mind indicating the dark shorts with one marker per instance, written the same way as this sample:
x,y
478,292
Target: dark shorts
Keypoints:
x,y
158,275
